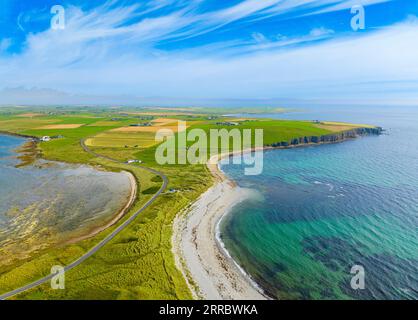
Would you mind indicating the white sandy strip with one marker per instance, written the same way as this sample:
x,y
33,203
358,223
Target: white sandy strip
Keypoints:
x,y
209,270
200,255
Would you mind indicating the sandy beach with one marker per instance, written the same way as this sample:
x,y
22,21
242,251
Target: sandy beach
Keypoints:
x,y
209,270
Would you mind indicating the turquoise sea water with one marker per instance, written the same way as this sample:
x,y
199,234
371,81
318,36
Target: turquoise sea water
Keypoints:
x,y
323,209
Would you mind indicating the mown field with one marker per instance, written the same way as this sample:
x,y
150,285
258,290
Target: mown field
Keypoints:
x,y
138,263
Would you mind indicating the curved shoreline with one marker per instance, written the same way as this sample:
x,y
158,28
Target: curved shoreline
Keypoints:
x,y
119,215
13,134
101,243
210,271
96,229
222,247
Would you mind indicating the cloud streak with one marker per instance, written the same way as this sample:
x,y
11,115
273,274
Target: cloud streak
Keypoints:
x,y
116,49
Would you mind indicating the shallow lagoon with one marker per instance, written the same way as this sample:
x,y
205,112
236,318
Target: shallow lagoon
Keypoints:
x,y
49,203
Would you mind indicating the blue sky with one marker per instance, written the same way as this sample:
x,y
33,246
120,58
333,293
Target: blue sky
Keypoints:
x,y
208,50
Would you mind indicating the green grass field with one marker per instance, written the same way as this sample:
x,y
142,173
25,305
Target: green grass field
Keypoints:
x,y
138,263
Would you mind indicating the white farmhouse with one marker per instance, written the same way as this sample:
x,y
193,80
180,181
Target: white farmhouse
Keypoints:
x,y
133,161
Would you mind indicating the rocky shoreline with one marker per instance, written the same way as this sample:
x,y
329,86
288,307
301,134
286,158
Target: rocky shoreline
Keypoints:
x,y
330,138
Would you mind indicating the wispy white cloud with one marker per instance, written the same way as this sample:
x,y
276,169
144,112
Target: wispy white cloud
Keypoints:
x,y
259,37
111,20
319,32
5,44
315,7
333,5
113,49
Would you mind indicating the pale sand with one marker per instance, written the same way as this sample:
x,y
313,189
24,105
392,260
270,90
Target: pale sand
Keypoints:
x,y
206,265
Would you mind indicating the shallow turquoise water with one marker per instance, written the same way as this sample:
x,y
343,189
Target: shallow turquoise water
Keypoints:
x,y
323,209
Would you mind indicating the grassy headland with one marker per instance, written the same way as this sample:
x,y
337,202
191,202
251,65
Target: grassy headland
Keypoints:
x,y
138,263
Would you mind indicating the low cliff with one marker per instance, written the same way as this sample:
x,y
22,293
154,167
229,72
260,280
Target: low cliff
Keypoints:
x,y
330,138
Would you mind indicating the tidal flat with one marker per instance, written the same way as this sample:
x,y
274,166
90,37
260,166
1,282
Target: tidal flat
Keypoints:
x,y
46,203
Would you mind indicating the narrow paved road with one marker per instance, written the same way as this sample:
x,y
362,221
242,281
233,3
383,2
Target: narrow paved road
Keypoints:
x,y
102,243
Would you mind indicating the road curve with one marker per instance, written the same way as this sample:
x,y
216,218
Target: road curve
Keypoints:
x,y
106,240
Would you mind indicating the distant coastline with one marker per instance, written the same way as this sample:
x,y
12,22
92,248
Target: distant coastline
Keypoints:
x,y
8,133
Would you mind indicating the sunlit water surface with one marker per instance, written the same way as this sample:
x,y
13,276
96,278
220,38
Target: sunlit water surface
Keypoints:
x,y
324,209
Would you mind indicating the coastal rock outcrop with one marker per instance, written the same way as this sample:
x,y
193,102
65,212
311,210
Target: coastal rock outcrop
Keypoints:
x,y
330,138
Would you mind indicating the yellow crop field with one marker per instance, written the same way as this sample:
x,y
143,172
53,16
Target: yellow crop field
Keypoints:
x,y
116,139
